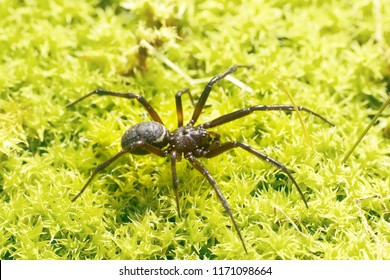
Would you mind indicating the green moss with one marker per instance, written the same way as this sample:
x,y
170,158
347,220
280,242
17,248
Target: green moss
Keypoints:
x,y
53,52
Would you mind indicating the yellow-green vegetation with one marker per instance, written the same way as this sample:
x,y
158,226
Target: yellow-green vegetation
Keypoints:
x,y
332,57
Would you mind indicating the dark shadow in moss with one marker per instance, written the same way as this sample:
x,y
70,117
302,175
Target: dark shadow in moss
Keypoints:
x,y
279,182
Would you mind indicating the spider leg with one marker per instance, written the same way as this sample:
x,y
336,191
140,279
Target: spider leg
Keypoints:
x,y
100,167
200,167
179,106
207,89
246,111
139,98
231,145
175,181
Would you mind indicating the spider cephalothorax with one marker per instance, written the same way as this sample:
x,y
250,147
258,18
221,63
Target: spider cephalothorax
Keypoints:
x,y
189,141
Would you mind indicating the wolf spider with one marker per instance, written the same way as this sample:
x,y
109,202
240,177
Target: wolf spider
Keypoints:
x,y
189,141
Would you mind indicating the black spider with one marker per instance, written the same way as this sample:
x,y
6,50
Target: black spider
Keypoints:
x,y
189,141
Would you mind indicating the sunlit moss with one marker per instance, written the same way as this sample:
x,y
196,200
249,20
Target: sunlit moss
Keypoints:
x,y
53,52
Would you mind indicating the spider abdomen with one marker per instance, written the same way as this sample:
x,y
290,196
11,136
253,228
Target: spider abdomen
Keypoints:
x,y
152,133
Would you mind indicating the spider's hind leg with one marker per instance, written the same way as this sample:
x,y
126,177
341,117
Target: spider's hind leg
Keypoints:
x,y
100,92
126,150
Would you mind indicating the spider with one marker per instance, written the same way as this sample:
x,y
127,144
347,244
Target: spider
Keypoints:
x,y
189,141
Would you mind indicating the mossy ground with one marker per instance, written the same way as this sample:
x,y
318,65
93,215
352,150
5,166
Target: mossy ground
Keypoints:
x,y
326,52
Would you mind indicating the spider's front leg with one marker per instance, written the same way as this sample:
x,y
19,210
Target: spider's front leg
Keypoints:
x,y
179,105
217,150
205,94
247,111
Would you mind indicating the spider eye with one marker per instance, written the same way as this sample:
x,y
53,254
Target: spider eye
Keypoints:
x,y
152,133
